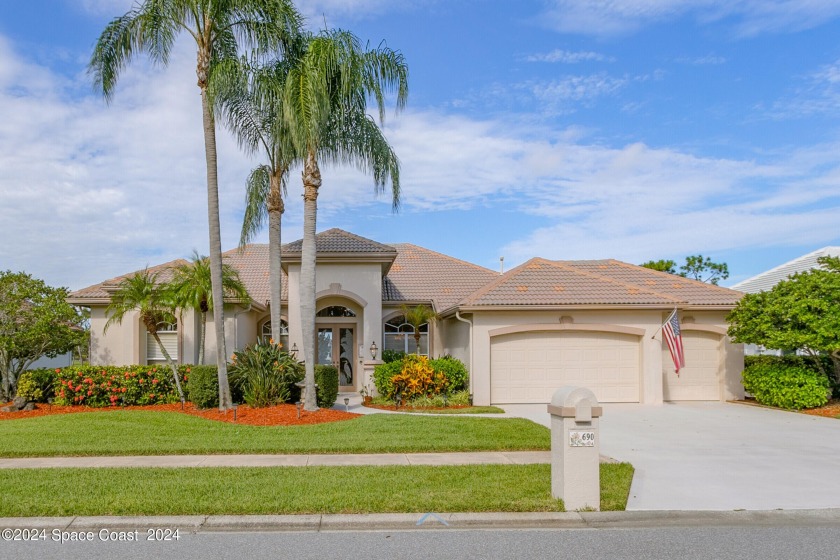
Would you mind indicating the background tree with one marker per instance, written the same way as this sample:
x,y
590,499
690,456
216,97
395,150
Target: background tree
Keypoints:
x,y
661,265
801,313
142,292
217,27
325,104
418,316
696,267
35,321
192,289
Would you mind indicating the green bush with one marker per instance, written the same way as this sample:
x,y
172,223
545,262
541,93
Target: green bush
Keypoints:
x,y
455,371
389,356
326,377
203,386
821,364
786,386
37,385
99,386
382,375
264,374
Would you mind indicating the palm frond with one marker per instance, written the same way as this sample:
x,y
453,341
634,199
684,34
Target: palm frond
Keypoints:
x,y
256,203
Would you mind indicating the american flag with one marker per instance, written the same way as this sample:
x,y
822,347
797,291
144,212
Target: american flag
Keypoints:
x,y
673,338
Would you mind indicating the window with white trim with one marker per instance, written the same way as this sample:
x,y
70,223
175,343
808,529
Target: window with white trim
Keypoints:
x,y
265,334
399,336
168,334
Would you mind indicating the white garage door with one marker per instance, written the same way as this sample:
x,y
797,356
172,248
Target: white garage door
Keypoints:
x,y
699,380
529,367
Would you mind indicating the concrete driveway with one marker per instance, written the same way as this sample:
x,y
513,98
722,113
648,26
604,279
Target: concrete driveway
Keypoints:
x,y
719,456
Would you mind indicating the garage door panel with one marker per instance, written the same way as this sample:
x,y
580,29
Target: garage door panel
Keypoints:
x,y
529,367
700,379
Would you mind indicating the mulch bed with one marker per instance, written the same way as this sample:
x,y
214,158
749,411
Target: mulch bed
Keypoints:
x,y
280,415
831,410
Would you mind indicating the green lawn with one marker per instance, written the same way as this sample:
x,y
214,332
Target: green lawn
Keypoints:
x,y
139,432
291,490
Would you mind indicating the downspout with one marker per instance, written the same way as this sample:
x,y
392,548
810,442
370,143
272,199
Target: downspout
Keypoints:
x,y
236,326
458,316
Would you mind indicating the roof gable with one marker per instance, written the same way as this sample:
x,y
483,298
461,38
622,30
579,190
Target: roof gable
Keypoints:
x,y
336,241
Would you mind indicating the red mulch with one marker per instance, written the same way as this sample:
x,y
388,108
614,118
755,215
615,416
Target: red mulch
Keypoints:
x,y
831,410
280,415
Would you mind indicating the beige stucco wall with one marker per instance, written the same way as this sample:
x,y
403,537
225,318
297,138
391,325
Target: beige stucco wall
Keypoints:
x,y
121,344
650,354
455,339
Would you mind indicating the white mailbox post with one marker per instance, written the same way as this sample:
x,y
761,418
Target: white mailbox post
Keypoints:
x,y
575,448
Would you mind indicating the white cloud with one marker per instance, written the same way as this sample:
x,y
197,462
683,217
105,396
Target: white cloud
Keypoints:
x,y
568,57
819,93
749,17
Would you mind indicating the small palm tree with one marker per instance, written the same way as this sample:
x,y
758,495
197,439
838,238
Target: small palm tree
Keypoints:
x,y
218,28
325,104
417,317
143,293
191,288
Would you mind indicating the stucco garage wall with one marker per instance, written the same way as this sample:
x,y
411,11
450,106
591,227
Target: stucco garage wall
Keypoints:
x,y
646,322
455,340
121,345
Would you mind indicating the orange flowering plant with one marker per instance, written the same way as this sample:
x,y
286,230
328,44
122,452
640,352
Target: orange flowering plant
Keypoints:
x,y
100,386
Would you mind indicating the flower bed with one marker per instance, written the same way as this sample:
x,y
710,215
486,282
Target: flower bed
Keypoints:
x,y
281,415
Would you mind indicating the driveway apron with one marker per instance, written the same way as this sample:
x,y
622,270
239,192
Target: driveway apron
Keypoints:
x,y
719,456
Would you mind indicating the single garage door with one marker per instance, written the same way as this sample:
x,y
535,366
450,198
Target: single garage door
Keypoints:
x,y
699,380
528,367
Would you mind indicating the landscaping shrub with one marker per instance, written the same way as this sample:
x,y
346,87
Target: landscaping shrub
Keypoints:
x,y
264,374
455,371
326,377
100,386
203,386
415,375
37,385
821,364
786,386
389,356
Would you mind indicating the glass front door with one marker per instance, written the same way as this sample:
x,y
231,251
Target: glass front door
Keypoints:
x,y
335,348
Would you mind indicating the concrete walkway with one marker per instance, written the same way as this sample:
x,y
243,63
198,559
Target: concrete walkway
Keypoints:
x,y
478,458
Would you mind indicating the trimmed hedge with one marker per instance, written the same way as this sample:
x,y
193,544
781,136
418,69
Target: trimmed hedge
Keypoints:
x,y
100,386
203,386
775,383
455,371
326,377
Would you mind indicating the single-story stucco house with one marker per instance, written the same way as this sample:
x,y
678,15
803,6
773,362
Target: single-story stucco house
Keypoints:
x,y
522,334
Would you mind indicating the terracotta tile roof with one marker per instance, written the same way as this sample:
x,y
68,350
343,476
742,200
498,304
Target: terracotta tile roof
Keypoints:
x,y
419,274
339,241
251,263
540,282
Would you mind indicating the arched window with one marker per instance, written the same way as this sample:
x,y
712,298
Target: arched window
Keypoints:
x,y
335,311
265,333
168,333
399,336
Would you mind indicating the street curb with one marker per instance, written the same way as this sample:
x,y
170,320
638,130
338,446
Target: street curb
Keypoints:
x,y
442,521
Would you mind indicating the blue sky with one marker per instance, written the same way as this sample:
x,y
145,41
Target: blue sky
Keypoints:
x,y
567,129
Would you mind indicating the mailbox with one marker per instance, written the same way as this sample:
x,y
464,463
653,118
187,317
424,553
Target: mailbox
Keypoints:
x,y
575,448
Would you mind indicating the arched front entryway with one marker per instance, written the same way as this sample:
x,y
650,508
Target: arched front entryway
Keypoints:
x,y
337,328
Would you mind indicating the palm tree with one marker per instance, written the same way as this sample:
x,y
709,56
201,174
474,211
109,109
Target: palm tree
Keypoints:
x,y
325,104
416,317
143,293
217,26
249,99
191,288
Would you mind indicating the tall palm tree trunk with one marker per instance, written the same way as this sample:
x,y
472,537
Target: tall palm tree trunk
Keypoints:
x,y
215,234
169,361
202,335
311,183
275,217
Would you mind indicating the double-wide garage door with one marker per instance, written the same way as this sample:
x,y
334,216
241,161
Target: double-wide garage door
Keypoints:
x,y
528,367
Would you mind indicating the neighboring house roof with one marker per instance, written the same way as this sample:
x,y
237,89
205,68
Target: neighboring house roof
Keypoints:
x,y
421,275
540,282
766,280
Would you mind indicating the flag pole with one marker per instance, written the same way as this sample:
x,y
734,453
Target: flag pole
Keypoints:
x,y
656,332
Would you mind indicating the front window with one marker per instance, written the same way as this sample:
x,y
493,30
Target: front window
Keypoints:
x,y
168,334
399,336
265,334
335,311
